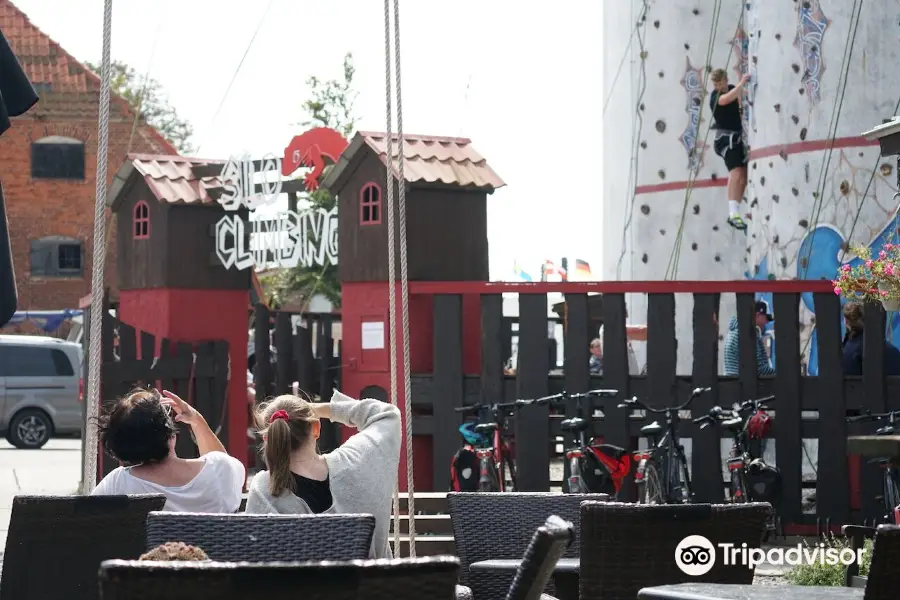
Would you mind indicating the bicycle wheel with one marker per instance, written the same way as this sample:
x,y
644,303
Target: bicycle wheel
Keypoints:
x,y
649,488
891,494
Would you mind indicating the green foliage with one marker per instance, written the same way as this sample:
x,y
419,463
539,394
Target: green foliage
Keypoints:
x,y
828,575
330,104
149,100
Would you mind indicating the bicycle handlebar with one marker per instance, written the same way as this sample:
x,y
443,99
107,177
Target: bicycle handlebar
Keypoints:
x,y
492,407
634,402
869,416
563,396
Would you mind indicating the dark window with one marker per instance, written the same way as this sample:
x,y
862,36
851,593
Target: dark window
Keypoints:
x,y
57,257
141,221
370,204
57,158
34,361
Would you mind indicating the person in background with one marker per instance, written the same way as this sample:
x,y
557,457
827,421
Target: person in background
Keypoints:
x,y
596,360
358,477
175,551
732,345
139,431
852,346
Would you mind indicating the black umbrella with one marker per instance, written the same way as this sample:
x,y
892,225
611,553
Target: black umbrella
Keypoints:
x,y
17,95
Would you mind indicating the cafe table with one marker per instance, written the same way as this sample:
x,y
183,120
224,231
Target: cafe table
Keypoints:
x,y
565,573
723,591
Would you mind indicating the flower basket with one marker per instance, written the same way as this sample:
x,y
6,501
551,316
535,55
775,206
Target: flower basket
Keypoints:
x,y
892,304
874,280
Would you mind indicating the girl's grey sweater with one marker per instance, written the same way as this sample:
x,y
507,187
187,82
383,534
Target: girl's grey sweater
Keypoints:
x,y
362,472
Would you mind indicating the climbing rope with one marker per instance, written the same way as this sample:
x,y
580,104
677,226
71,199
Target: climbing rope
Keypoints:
x,y
404,291
672,268
404,283
392,275
637,126
634,34
89,474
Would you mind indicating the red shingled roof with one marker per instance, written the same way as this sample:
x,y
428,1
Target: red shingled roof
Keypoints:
x,y
67,88
428,159
169,178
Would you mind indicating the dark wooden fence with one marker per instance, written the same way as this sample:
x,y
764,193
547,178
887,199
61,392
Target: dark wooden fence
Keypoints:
x,y
831,394
132,358
314,367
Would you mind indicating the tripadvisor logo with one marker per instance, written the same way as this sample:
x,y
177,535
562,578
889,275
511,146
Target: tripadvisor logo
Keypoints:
x,y
695,555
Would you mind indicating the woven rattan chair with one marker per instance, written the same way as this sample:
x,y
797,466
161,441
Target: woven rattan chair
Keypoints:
x,y
546,547
431,578
883,581
500,526
55,544
626,547
266,538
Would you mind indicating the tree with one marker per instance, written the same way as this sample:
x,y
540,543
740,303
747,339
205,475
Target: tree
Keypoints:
x,y
147,98
330,104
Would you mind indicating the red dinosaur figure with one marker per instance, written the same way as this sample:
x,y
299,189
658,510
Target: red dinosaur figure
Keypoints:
x,y
310,149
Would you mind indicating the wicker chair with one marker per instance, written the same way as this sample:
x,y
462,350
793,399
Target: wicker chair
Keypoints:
x,y
883,579
626,547
266,538
490,525
55,544
546,547
400,579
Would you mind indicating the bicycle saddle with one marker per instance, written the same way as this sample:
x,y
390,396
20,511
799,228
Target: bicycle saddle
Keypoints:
x,y
653,428
886,430
486,427
573,424
736,423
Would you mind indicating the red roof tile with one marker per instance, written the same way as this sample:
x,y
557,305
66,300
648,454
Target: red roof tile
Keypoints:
x,y
169,178
433,159
56,74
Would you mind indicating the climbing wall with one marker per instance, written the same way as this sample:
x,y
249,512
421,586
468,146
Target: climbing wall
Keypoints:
x,y
656,225
814,184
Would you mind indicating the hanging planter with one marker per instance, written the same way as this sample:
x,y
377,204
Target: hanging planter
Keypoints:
x,y
874,279
890,298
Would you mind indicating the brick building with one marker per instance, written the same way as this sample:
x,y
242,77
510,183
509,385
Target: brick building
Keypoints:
x,y
48,169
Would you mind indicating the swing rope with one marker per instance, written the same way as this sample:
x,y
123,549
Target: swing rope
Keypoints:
x,y
392,271
89,475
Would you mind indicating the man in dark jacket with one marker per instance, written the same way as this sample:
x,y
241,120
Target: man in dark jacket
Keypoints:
x,y
853,344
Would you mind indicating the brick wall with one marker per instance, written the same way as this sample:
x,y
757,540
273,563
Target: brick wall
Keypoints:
x,y
37,208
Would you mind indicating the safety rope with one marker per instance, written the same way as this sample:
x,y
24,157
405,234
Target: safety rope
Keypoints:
x,y
389,209
625,53
404,291
89,475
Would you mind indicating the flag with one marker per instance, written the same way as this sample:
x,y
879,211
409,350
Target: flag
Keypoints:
x,y
519,273
564,269
582,271
549,272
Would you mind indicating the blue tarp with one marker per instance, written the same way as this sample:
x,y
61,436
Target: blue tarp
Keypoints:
x,y
48,320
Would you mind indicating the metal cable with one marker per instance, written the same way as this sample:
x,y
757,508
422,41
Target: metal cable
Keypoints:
x,y
392,275
404,294
89,474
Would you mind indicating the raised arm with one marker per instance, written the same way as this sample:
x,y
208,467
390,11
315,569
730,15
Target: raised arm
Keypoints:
x,y
735,93
378,423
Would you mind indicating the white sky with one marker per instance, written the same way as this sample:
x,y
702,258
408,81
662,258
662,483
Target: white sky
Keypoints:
x,y
522,80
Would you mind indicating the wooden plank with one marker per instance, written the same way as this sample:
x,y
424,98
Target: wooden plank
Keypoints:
x,y
832,497
284,346
492,345
576,357
448,374
787,405
210,406
184,445
304,359
873,399
875,446
706,455
329,438
148,352
748,371
532,366
262,370
287,186
661,349
615,376
220,352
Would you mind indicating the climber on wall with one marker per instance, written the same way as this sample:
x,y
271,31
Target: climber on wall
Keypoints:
x,y
725,103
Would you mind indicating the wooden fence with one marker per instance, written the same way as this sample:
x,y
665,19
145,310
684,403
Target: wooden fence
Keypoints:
x,y
132,358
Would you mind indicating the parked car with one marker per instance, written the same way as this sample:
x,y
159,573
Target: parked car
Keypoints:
x,y
40,387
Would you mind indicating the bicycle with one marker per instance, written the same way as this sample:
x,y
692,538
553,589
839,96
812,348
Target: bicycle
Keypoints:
x,y
493,452
594,467
891,478
662,473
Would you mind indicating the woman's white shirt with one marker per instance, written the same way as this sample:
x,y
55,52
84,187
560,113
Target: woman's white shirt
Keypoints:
x,y
217,488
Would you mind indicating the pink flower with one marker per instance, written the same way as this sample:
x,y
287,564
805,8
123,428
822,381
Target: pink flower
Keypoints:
x,y
869,264
837,291
884,294
845,268
889,269
888,246
882,254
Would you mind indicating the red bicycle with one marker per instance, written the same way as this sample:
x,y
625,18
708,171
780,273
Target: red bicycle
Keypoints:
x,y
489,438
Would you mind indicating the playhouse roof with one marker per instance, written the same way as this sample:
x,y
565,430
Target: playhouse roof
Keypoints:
x,y
67,88
169,178
428,159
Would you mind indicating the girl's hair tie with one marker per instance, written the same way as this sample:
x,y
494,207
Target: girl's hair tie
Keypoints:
x,y
279,414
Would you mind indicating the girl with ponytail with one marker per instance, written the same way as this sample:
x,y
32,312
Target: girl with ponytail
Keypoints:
x,y
357,477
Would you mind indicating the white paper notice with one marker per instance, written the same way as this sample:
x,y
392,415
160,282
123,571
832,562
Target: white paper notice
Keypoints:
x,y
373,335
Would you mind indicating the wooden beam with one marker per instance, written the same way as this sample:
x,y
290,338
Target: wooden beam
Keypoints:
x,y
214,170
287,186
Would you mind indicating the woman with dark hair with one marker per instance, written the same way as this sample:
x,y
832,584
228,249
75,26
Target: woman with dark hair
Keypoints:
x,y
853,344
358,477
139,431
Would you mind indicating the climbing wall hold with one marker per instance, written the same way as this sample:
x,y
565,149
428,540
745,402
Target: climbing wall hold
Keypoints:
x,y
803,223
644,258
796,68
644,144
687,46
661,173
886,169
715,227
662,232
845,187
694,246
645,209
778,36
656,24
696,209
661,126
767,218
795,191
696,11
660,74
783,261
755,203
762,180
802,91
783,154
778,108
775,198
775,238
803,134
795,119
713,176
641,107
717,257
754,165
770,164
